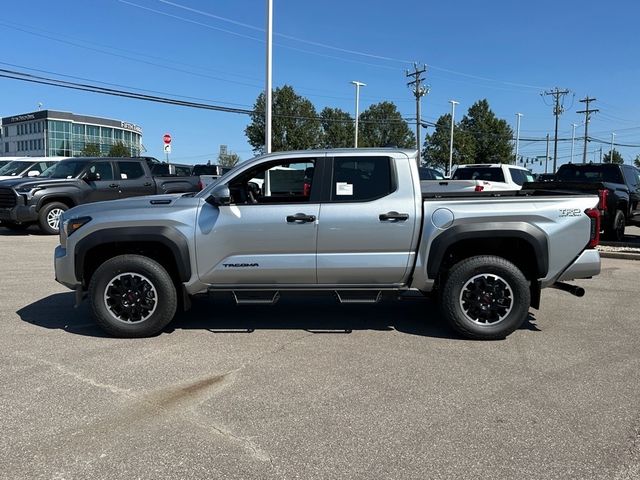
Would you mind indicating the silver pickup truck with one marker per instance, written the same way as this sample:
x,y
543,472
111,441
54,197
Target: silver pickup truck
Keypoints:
x,y
351,222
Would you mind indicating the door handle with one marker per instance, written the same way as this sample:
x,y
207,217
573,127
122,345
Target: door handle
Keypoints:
x,y
394,217
301,217
114,185
148,184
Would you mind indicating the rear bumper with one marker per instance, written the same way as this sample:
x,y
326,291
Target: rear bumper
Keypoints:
x,y
586,265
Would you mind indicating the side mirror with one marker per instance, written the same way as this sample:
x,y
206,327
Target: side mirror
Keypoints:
x,y
220,195
92,177
33,173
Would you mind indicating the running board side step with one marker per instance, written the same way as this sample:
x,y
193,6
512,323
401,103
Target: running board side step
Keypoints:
x,y
358,296
256,297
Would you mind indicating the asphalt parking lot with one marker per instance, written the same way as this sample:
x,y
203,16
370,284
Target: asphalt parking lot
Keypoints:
x,y
311,389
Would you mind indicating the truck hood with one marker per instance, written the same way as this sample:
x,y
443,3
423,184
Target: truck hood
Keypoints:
x,y
133,203
35,182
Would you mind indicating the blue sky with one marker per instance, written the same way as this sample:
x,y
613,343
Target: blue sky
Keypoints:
x,y
505,51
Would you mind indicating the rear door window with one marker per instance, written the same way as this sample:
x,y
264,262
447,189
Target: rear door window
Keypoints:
x,y
130,170
360,179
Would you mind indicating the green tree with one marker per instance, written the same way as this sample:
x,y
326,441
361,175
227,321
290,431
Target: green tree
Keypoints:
x,y
119,149
295,125
436,145
228,159
636,162
381,125
90,150
493,137
337,128
617,158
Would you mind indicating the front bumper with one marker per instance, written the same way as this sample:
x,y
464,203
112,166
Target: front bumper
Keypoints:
x,y
586,265
19,214
65,269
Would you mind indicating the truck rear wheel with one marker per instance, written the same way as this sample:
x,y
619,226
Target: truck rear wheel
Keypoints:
x,y
132,296
615,231
49,217
485,297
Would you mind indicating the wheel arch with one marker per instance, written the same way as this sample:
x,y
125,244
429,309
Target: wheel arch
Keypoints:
x,y
164,244
521,243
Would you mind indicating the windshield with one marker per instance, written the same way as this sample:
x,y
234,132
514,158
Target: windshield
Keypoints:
x,y
15,168
66,169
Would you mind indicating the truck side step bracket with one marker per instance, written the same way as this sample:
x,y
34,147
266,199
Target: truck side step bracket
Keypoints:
x,y
256,297
358,296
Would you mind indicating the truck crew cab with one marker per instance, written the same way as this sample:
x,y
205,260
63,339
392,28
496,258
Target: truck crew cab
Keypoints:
x,y
349,221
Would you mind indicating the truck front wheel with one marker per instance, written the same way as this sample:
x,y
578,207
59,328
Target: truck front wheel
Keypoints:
x,y
132,296
49,217
485,297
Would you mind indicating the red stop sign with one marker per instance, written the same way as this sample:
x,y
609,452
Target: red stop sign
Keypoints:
x,y
166,138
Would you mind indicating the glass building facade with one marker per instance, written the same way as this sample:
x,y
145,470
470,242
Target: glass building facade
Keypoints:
x,y
48,133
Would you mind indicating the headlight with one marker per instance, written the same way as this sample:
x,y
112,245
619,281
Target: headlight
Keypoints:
x,y
74,224
28,188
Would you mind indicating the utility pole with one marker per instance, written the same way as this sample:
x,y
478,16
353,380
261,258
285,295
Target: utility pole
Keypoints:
x,y
587,113
573,138
518,115
419,91
558,96
546,158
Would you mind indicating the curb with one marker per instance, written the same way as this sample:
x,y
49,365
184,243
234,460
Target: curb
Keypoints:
x,y
621,255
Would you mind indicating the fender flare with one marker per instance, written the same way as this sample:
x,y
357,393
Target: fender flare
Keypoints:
x,y
167,236
520,230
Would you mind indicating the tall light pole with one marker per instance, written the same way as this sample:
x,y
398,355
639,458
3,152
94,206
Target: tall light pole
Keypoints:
x,y
613,135
573,138
267,88
518,116
358,85
453,115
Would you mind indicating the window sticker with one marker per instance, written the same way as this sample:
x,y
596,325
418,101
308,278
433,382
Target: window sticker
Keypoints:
x,y
123,176
344,188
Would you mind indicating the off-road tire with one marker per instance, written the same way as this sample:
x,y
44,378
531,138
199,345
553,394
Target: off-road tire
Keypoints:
x,y
493,267
104,305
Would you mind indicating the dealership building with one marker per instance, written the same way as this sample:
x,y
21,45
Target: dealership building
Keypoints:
x,y
48,133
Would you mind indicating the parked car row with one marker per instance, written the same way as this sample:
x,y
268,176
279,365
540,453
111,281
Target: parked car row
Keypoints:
x,y
32,197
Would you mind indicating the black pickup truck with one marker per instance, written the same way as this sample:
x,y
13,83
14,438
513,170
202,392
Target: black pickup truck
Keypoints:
x,y
617,186
75,181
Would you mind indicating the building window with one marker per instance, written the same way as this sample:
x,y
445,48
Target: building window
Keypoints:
x,y
6,147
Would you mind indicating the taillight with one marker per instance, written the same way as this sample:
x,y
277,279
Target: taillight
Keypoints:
x,y
200,185
603,195
479,188
594,215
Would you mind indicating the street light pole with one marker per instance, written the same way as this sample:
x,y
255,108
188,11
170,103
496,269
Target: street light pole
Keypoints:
x,y
573,138
518,116
453,115
358,85
613,135
268,93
